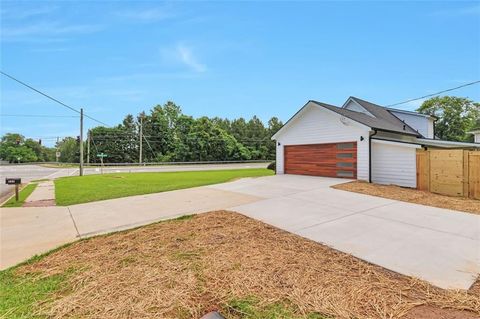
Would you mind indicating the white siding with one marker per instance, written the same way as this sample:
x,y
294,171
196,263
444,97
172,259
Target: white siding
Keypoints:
x,y
316,125
431,130
423,124
394,163
477,137
354,106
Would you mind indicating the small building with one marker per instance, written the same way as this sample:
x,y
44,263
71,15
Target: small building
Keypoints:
x,y
360,140
476,135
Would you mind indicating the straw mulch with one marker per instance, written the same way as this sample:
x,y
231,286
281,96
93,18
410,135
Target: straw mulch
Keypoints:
x,y
413,196
184,268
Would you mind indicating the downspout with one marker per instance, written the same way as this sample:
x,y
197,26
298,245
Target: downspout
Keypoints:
x,y
370,155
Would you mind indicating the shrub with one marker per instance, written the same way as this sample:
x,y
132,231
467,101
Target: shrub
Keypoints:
x,y
272,166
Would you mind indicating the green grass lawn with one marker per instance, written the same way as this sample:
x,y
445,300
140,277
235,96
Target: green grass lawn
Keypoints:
x,y
19,293
22,196
76,190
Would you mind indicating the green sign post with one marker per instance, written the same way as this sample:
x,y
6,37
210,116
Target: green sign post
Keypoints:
x,y
101,156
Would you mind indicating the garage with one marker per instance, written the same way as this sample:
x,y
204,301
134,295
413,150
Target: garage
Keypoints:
x,y
329,160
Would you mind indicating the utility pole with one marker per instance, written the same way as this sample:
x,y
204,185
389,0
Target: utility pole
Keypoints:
x,y
88,147
140,159
57,155
81,142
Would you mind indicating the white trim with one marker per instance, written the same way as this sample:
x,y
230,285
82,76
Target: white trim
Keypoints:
x,y
358,104
409,112
448,143
396,143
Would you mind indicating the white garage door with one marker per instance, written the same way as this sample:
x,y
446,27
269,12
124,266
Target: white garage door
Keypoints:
x,y
394,163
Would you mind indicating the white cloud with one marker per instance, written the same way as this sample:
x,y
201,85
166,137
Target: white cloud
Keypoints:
x,y
460,12
186,56
50,50
146,15
47,29
26,13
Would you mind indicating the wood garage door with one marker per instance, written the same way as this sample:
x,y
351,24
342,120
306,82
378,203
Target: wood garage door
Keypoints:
x,y
331,160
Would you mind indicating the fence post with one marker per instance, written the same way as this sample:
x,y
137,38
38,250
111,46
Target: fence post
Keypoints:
x,y
466,173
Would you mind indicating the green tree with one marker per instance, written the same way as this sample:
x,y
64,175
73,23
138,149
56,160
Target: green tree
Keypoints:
x,y
69,150
456,116
274,124
119,143
43,154
20,154
12,139
170,135
15,148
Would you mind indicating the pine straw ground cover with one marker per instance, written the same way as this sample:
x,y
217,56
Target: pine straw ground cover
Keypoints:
x,y
413,196
223,260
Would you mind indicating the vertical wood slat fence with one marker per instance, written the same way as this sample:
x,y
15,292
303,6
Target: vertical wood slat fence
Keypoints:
x,y
449,172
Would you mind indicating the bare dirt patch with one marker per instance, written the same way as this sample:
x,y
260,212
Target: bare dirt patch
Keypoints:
x,y
185,268
412,196
40,203
429,312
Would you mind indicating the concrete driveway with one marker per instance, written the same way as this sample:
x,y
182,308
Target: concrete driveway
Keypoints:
x,y
434,244
437,245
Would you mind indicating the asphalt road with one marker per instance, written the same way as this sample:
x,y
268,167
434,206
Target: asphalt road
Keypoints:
x,y
32,172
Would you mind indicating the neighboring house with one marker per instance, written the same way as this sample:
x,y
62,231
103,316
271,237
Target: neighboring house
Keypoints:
x,y
476,135
359,140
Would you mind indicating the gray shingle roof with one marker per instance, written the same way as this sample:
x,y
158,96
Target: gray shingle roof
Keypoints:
x,y
383,120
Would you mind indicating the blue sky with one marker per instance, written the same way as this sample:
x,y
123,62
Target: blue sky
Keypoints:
x,y
228,59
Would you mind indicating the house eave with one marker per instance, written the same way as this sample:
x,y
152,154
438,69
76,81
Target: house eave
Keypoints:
x,y
450,144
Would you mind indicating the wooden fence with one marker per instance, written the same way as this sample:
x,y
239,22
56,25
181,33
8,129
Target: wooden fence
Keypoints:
x,y
449,172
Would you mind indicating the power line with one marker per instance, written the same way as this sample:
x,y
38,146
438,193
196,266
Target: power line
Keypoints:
x,y
433,94
50,97
37,115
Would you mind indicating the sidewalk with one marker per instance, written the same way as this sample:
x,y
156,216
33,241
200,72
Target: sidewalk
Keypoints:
x,y
27,231
42,196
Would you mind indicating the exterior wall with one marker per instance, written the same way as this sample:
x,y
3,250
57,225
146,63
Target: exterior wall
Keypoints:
x,y
316,125
431,128
477,137
354,106
421,123
396,137
394,163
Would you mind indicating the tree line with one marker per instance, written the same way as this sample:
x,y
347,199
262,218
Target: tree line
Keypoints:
x,y
167,134
15,148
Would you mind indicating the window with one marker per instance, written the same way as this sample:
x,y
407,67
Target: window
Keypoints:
x,y
341,164
343,146
344,173
345,155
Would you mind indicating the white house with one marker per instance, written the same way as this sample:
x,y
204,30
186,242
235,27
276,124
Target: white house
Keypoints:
x,y
476,135
359,140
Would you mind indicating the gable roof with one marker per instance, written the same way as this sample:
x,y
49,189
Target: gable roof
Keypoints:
x,y
383,114
411,112
383,120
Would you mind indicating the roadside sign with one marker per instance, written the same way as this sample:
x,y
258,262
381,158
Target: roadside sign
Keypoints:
x,y
13,181
58,154
101,155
